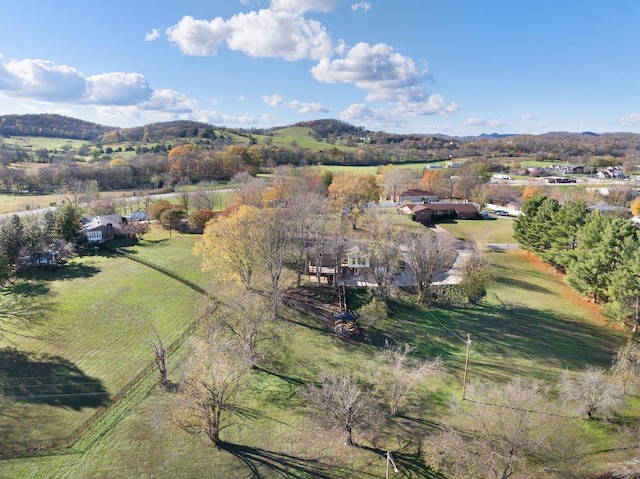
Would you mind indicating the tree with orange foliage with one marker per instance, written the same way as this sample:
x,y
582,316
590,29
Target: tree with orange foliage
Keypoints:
x,y
349,193
635,207
530,191
429,180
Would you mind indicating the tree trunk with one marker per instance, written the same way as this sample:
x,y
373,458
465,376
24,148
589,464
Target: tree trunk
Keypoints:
x,y
349,441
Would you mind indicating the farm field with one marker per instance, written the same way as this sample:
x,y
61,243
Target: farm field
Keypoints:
x,y
530,325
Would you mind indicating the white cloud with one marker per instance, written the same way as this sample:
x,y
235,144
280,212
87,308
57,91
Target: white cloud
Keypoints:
x,y
301,6
268,118
170,101
527,117
364,6
357,111
245,119
274,100
261,34
278,101
632,119
43,80
483,122
117,89
198,37
154,34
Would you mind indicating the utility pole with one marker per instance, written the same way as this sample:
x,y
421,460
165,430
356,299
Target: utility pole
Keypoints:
x,y
466,367
390,459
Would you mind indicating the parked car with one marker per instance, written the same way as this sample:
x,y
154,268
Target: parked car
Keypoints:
x,y
502,213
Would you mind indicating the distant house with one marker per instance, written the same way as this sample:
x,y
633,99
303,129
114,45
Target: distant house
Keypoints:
x,y
99,229
417,196
429,213
611,172
136,216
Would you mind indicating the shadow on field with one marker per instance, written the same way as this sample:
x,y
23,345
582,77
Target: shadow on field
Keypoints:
x,y
64,272
50,380
268,464
410,464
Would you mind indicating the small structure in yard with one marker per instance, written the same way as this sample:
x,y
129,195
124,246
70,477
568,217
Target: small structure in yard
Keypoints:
x,y
346,324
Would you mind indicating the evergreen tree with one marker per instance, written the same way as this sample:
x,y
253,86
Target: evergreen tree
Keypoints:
x,y
11,238
67,222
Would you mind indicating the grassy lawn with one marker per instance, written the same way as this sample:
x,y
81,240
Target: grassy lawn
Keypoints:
x,y
91,334
530,325
490,230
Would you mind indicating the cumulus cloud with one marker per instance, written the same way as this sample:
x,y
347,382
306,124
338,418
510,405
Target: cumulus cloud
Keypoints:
x,y
154,34
117,89
266,33
364,6
278,101
44,80
198,37
632,119
357,111
170,101
527,117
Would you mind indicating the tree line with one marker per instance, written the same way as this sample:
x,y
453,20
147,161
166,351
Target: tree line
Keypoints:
x,y
599,252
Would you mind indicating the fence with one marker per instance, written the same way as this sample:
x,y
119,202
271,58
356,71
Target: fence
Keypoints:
x,y
32,445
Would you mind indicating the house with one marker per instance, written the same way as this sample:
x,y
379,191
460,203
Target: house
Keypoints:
x,y
136,216
611,172
429,213
99,229
417,196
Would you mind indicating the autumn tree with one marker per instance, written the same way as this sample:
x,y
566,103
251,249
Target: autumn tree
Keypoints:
x,y
508,430
206,396
339,402
350,192
428,255
402,374
171,217
229,246
155,209
429,180
635,207
530,191
199,219
383,251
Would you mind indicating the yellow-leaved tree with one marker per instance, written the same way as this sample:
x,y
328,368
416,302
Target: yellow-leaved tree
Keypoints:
x,y
635,207
228,245
350,192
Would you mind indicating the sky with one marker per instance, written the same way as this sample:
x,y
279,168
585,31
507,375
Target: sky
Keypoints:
x,y
454,67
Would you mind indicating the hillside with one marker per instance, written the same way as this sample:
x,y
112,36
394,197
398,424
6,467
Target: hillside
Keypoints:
x,y
51,126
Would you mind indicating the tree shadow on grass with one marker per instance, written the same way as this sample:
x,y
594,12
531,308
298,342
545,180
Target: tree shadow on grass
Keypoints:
x,y
50,380
68,271
409,463
263,463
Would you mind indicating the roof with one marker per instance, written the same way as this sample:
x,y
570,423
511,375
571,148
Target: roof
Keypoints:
x,y
459,207
416,192
114,220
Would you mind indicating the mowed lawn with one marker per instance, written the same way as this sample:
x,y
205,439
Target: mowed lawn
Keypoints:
x,y
487,230
530,325
91,334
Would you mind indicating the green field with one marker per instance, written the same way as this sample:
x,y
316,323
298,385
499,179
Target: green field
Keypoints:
x,y
530,325
487,230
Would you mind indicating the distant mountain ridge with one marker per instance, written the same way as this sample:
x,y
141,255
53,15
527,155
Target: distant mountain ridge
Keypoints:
x,y
59,126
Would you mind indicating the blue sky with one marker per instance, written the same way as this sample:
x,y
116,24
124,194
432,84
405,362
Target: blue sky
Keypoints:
x,y
457,67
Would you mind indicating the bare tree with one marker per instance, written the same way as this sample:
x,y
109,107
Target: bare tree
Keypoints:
x,y
160,355
626,366
403,374
248,189
244,317
273,247
591,393
340,403
428,255
383,251
506,431
206,396
207,197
